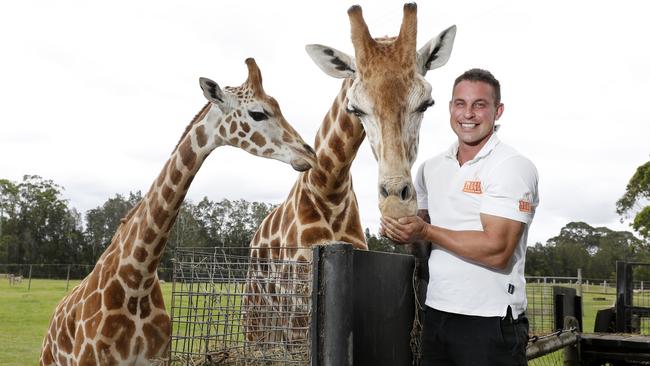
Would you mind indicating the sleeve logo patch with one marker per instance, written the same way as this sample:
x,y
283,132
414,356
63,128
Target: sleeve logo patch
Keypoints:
x,y
472,186
525,204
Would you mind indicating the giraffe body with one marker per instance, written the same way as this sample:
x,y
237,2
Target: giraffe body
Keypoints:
x,y
383,95
116,315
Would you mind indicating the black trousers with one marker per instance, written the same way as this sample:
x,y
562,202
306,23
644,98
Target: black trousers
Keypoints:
x,y
463,340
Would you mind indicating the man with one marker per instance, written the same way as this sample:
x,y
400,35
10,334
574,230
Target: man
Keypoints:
x,y
480,196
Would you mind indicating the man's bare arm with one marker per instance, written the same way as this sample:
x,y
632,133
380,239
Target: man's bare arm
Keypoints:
x,y
491,247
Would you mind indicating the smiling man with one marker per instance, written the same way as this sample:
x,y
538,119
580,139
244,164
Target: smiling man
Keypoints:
x,y
476,202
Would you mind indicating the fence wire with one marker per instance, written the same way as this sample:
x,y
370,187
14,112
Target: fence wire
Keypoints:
x,y
231,309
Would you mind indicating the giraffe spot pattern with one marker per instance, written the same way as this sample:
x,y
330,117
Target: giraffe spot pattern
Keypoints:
x,y
317,178
188,156
168,193
160,246
277,218
153,265
145,307
92,305
140,254
186,186
108,270
149,235
157,298
114,295
316,235
337,147
258,139
88,357
91,326
245,127
132,305
201,137
265,228
306,210
148,283
120,329
105,355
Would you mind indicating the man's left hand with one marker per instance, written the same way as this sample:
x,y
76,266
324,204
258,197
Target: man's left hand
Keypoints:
x,y
404,230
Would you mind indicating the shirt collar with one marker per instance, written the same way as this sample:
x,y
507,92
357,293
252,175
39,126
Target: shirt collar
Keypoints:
x,y
493,141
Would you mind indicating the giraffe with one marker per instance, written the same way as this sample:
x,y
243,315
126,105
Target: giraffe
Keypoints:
x,y
117,314
384,95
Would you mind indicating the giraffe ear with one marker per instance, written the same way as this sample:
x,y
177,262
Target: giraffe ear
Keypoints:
x,y
333,62
437,51
212,91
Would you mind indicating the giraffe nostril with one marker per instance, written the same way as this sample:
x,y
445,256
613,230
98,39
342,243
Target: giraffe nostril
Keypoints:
x,y
383,191
309,148
404,194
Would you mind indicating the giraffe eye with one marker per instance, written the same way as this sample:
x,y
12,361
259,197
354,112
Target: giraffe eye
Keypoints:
x,y
258,116
356,111
424,106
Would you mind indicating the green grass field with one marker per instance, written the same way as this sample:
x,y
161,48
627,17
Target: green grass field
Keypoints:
x,y
24,315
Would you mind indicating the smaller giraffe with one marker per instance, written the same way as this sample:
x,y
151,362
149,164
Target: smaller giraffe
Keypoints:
x,y
117,315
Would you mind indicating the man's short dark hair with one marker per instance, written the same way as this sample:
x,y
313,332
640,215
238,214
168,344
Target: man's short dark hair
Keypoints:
x,y
483,76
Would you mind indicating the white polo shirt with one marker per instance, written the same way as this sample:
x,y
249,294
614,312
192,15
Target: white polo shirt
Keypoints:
x,y
499,181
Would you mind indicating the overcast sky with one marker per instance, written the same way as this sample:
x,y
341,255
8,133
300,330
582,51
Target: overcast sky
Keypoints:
x,y
95,95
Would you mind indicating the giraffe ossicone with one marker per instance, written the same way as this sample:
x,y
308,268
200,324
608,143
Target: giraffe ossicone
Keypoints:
x,y
116,315
384,95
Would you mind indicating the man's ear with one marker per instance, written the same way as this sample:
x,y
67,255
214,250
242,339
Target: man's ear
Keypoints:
x,y
213,93
437,51
333,62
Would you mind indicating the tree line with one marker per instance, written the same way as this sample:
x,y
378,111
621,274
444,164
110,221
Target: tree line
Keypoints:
x,y
38,226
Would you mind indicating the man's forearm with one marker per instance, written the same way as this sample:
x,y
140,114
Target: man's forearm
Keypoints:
x,y
476,246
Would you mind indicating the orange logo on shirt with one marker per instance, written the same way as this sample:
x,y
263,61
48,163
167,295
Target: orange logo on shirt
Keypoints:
x,y
525,206
472,186
526,203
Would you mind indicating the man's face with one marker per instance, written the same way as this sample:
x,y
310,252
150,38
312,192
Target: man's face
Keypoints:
x,y
473,112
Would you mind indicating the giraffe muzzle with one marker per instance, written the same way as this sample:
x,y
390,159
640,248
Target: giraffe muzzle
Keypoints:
x,y
397,198
305,160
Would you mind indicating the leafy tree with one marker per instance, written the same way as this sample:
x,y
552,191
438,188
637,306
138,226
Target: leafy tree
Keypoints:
x,y
382,244
635,200
579,245
538,260
37,225
102,222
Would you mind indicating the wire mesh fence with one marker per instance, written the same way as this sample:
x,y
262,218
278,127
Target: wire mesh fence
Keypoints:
x,y
22,274
233,309
228,308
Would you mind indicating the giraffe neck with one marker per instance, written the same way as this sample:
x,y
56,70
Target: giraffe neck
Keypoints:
x,y
144,231
322,206
337,143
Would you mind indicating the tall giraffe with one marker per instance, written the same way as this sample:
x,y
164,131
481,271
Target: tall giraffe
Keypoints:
x,y
384,95
117,314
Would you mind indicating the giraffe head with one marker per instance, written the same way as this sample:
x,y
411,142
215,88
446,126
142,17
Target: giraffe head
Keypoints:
x,y
253,121
389,96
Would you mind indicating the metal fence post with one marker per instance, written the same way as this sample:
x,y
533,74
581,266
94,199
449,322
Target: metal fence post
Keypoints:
x,y
580,282
623,295
29,286
67,280
334,306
